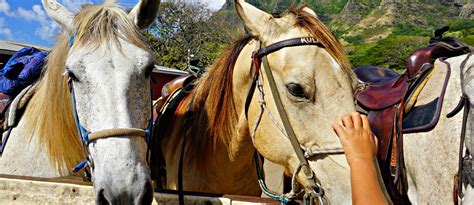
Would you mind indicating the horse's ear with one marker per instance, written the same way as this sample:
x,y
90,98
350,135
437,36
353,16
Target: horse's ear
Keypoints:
x,y
253,18
60,14
144,13
310,11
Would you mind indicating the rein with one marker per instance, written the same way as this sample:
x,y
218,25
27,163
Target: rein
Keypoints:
x,y
259,58
464,163
88,137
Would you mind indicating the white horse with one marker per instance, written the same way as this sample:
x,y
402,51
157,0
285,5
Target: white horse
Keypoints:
x,y
431,158
468,89
102,52
319,87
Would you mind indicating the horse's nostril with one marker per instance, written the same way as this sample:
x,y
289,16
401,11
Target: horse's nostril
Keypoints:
x,y
148,194
101,199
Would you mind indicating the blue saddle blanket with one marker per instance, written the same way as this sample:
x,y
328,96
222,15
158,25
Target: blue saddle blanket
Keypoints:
x,y
23,69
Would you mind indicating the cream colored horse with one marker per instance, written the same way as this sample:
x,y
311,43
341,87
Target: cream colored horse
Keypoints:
x,y
327,85
317,86
108,64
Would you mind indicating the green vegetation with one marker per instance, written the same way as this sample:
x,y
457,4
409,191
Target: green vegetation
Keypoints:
x,y
375,33
411,30
462,24
390,52
353,39
187,31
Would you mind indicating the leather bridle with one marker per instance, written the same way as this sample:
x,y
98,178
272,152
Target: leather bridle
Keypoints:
x,y
259,58
88,137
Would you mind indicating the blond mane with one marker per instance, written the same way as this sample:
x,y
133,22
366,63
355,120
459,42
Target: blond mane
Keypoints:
x,y
50,112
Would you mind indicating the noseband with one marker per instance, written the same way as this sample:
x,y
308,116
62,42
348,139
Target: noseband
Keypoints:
x,y
259,58
88,137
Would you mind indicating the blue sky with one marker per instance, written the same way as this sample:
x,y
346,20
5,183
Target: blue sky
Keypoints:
x,y
26,21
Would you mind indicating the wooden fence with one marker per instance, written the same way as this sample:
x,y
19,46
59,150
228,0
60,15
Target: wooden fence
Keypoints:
x,y
29,190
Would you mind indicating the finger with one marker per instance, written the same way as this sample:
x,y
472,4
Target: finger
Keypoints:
x,y
356,119
365,122
376,140
340,131
347,122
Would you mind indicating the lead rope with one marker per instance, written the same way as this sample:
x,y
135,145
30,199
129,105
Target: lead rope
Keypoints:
x,y
83,135
282,198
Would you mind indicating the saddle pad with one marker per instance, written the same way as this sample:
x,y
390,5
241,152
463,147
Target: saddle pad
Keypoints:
x,y
5,101
374,74
425,114
13,114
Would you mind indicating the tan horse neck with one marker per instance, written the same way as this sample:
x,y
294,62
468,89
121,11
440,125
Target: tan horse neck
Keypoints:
x,y
219,150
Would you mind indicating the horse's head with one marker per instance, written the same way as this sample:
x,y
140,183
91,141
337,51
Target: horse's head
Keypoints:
x,y
468,78
108,65
467,85
316,87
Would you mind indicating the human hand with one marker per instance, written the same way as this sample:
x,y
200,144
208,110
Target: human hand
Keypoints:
x,y
356,138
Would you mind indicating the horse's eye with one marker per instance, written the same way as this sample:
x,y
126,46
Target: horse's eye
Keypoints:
x,y
296,90
149,70
72,76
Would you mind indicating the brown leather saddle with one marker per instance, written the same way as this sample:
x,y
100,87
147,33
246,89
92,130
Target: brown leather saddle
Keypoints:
x,y
170,88
173,93
392,102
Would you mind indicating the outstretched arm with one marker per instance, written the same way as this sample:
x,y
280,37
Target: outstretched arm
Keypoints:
x,y
360,147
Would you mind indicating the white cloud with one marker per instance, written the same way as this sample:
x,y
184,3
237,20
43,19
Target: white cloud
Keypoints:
x,y
5,8
26,14
48,28
4,31
48,32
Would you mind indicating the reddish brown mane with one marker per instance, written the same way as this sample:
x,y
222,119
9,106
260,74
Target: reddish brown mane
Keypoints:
x,y
213,117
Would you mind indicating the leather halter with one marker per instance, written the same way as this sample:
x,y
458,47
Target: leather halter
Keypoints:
x,y
259,57
88,137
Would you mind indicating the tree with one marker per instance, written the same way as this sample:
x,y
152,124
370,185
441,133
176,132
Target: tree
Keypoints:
x,y
187,30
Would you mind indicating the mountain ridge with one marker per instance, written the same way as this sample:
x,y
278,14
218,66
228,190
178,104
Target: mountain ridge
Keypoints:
x,y
379,32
